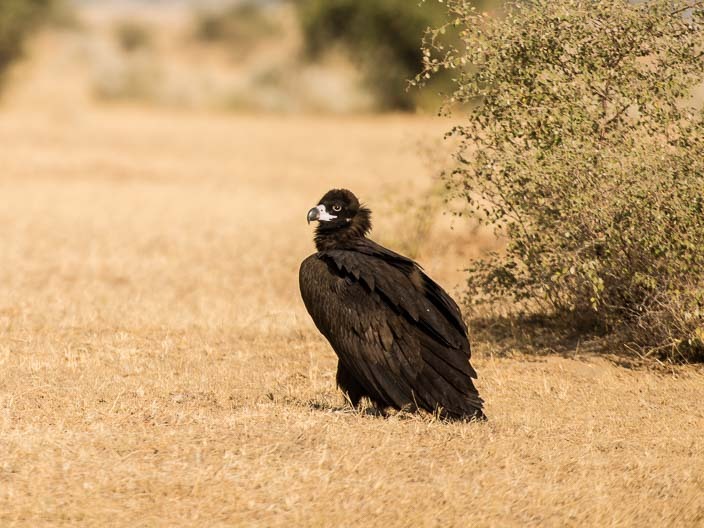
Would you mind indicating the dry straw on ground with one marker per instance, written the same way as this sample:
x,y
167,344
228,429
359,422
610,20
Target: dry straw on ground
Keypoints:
x,y
159,368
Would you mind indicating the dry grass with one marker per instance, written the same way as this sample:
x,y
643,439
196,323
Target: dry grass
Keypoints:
x,y
159,368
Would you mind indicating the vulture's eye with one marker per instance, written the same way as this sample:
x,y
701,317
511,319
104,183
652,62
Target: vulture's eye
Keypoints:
x,y
337,208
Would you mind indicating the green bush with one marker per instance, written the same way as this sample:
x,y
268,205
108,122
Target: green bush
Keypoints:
x,y
584,151
383,36
133,35
17,19
237,26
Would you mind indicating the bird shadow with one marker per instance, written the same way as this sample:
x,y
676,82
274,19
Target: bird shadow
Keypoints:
x,y
369,410
361,410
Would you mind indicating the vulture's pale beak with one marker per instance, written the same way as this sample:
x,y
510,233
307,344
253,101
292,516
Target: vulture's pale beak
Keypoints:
x,y
320,213
313,214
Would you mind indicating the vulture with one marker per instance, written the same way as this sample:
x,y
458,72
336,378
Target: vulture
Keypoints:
x,y
399,337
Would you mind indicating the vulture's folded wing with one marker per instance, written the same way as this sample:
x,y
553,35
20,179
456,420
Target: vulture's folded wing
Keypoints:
x,y
393,328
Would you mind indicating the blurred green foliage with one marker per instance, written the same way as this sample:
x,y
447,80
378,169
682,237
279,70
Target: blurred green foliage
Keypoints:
x,y
583,152
133,35
17,19
236,26
382,36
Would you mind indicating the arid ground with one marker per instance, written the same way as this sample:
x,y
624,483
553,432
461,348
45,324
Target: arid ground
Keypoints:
x,y
159,369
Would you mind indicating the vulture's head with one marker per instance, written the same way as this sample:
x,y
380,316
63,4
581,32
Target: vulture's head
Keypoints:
x,y
340,210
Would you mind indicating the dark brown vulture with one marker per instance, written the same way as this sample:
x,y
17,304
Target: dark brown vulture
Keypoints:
x,y
399,337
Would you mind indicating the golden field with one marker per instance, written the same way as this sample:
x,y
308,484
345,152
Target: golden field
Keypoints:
x,y
159,369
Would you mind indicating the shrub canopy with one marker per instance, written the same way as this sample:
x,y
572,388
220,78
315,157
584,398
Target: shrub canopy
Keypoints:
x,y
17,18
383,36
584,149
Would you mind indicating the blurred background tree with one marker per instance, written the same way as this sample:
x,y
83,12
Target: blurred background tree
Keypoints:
x,y
241,28
382,36
336,56
17,19
236,25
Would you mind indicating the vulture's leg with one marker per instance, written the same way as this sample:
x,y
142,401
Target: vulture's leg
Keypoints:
x,y
348,384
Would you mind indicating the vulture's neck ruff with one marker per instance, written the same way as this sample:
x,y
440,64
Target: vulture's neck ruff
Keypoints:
x,y
334,236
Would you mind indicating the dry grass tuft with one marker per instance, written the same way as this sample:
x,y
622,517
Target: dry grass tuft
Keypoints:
x,y
159,368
